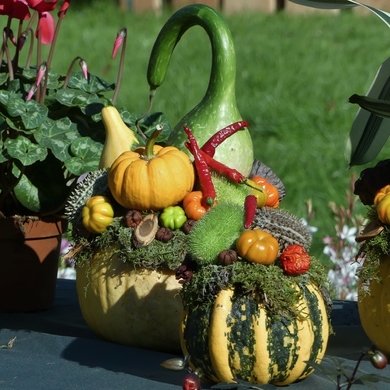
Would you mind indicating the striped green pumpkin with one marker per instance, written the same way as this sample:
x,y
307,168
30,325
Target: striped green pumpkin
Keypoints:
x,y
237,339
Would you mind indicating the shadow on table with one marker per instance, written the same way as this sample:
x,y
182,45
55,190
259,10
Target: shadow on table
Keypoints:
x,y
121,359
64,318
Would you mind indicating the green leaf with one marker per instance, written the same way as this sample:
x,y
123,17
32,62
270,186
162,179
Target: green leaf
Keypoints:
x,y
22,149
89,104
369,132
373,378
378,107
148,125
42,187
32,113
339,4
327,4
86,156
94,84
57,136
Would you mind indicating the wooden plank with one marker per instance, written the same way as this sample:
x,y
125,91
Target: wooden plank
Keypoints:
x,y
234,6
294,8
139,6
176,4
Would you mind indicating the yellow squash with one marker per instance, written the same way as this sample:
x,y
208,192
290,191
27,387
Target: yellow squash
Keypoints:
x,y
374,308
135,307
119,138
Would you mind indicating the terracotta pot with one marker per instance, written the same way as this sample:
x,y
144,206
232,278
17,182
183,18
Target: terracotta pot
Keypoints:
x,y
30,250
374,308
134,307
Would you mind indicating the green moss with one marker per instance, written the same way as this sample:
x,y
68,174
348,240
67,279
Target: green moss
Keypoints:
x,y
216,231
268,284
155,255
372,251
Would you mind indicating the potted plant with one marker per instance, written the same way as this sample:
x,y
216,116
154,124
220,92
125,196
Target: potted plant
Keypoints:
x,y
200,230
51,133
368,135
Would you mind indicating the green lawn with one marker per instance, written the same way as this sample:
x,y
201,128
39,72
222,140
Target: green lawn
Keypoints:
x,y
294,77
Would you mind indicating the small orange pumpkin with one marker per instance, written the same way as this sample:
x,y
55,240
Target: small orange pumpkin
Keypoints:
x,y
151,177
257,246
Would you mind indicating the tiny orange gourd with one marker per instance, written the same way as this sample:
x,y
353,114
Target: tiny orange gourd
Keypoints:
x,y
151,177
257,246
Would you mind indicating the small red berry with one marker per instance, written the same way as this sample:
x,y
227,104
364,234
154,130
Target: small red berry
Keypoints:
x,y
378,360
191,382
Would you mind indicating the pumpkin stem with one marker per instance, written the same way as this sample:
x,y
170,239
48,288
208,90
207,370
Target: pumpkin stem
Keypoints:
x,y
149,152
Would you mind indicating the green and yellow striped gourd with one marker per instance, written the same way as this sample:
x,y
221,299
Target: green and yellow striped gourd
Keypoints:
x,y
237,339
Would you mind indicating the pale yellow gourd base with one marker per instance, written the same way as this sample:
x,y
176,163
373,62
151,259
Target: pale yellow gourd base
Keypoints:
x,y
138,308
374,309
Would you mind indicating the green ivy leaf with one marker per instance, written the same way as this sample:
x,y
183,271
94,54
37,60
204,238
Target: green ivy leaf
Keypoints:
x,y
85,152
22,149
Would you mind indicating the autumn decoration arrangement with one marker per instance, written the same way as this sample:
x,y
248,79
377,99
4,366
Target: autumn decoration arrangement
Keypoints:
x,y
182,243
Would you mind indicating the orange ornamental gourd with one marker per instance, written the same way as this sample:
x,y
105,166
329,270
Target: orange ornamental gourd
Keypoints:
x,y
374,306
151,177
257,246
236,338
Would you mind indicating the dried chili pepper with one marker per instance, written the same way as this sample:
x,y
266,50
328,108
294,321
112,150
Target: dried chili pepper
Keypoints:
x,y
250,206
220,136
202,169
221,168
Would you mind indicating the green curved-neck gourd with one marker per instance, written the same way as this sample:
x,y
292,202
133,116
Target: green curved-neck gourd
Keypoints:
x,y
218,108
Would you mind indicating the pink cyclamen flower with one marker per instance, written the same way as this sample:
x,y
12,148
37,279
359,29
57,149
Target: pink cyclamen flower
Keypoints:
x,y
84,68
31,92
45,29
41,73
64,7
42,5
118,41
17,9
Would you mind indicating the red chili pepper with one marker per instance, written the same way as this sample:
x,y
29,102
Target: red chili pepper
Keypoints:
x,y
220,136
220,168
202,169
250,210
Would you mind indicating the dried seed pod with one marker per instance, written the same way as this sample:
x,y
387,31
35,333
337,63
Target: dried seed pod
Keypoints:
x,y
132,218
284,226
187,227
164,234
227,257
146,231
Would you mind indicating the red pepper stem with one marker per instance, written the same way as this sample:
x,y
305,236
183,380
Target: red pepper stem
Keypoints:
x,y
221,135
250,183
202,169
149,147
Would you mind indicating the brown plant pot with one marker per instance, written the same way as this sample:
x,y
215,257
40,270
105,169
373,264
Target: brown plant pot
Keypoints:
x,y
30,250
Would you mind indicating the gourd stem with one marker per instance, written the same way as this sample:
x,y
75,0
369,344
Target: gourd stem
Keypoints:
x,y
148,152
223,69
